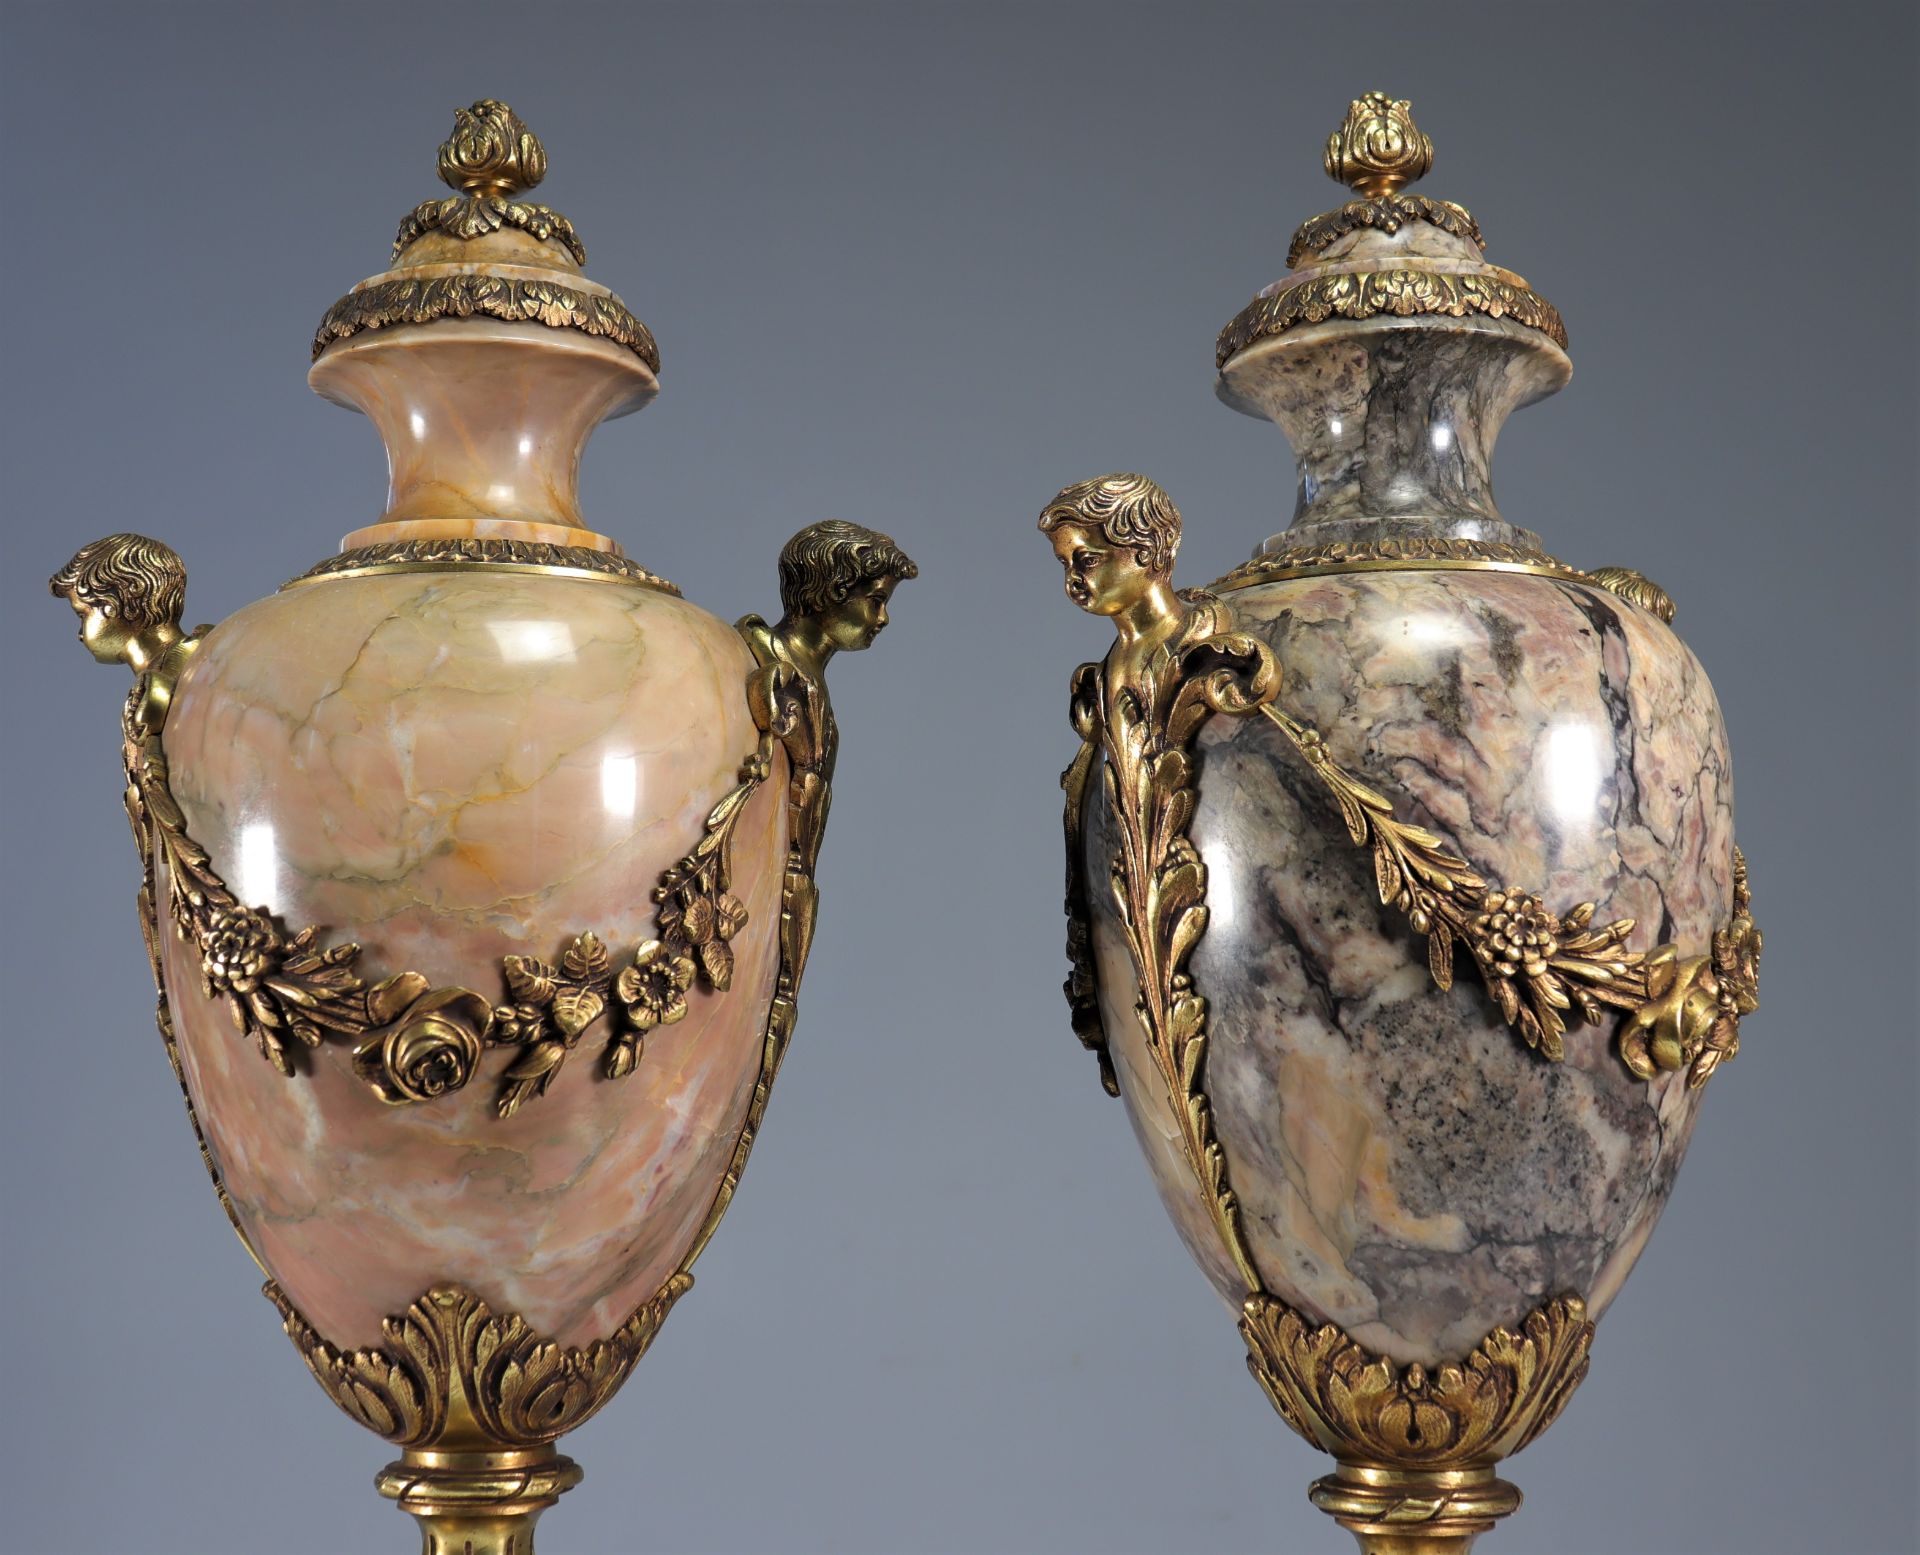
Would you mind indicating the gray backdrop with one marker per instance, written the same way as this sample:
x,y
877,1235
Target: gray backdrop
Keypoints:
x,y
919,268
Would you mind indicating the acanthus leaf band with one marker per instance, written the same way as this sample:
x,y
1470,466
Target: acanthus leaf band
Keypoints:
x,y
511,555
423,300
1355,1404
451,1369
1401,293
476,215
1388,214
1416,1446
1332,555
1443,554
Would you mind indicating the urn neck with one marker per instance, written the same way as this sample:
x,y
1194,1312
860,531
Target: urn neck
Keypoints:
x,y
484,424
1393,423
484,357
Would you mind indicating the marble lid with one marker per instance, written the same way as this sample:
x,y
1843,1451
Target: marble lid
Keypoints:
x,y
1386,252
484,253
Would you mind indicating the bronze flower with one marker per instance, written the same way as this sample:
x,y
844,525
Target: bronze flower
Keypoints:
x,y
1515,933
429,1048
654,986
238,947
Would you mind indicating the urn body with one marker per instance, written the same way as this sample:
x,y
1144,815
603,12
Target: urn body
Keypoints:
x,y
1406,1165
450,768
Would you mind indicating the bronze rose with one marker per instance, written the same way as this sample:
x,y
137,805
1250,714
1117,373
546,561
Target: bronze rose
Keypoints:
x,y
430,1043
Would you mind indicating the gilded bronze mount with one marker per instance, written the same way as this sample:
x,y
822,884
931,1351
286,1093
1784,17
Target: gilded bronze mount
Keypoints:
x,y
476,1399
1376,151
1416,1448
490,157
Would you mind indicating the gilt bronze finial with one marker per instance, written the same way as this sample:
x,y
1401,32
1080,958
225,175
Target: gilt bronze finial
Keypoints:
x,y
491,152
490,161
1379,148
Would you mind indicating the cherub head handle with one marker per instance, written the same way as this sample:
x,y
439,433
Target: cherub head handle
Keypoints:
x,y
129,592
1116,537
835,581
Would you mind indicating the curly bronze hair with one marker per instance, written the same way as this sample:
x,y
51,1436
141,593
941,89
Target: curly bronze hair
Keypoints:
x,y
827,561
1128,510
139,582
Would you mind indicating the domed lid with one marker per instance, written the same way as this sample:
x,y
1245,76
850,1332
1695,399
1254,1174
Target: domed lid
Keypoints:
x,y
1386,252
485,359
483,253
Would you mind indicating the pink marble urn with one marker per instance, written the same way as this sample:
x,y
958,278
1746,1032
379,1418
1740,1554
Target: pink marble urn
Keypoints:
x,y
478,865
1407,917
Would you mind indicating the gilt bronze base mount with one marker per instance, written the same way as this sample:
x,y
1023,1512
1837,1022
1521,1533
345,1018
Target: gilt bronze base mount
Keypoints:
x,y
1414,1511
1416,1448
476,1398
478,1503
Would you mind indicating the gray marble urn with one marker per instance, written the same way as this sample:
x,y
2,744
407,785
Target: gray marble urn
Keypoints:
x,y
1406,914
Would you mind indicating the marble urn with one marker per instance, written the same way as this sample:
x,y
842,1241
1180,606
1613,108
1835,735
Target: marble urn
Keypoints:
x,y
1405,912
478,865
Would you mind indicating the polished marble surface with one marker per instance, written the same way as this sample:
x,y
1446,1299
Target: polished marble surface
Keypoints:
x,y
449,767
1406,1166
484,423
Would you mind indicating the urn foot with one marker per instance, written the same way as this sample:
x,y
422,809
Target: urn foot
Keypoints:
x,y
1414,1511
478,1503
1416,1448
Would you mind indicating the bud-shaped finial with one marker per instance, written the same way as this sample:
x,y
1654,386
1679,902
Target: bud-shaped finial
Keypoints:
x,y
1379,148
491,152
